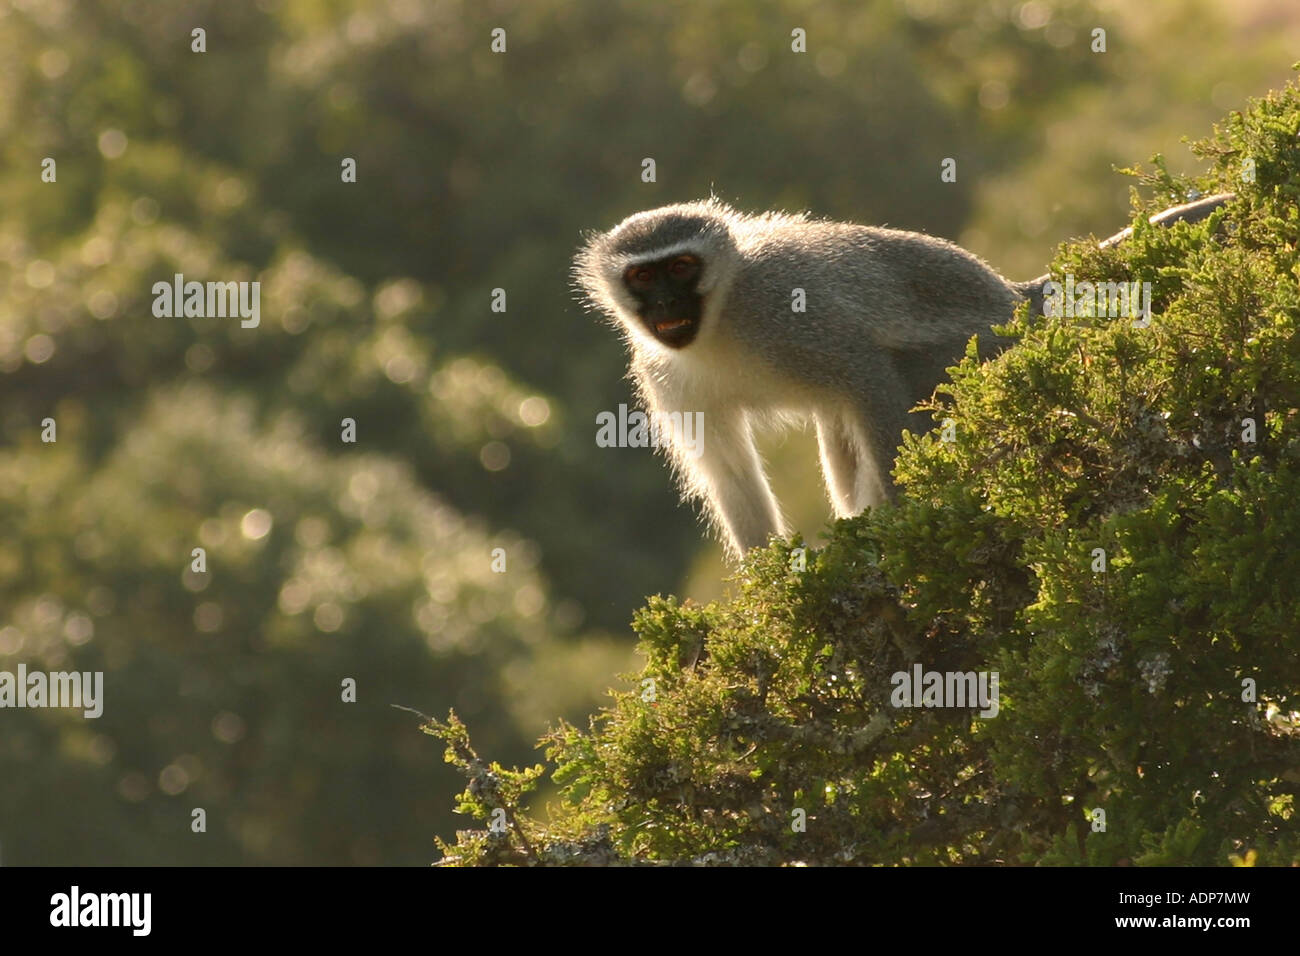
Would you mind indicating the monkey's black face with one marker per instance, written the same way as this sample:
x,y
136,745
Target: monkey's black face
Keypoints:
x,y
666,297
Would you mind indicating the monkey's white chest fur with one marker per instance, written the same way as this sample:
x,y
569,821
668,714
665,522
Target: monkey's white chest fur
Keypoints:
x,y
716,373
736,391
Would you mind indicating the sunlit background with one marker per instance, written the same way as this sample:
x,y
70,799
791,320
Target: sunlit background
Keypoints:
x,y
476,171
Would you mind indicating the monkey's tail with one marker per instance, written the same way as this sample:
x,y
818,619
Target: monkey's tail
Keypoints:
x,y
1188,212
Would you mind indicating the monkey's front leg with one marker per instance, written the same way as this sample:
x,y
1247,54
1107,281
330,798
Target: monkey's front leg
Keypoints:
x,y
726,471
849,462
839,455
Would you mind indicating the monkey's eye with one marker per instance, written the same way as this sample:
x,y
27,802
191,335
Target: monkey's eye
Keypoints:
x,y
683,267
640,276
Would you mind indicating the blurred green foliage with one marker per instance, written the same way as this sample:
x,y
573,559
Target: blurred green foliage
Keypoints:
x,y
475,171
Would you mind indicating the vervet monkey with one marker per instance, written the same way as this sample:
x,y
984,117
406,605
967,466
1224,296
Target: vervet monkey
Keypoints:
x,y
708,300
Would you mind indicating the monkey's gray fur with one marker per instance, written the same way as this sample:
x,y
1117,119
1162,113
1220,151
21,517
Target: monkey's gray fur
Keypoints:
x,y
887,312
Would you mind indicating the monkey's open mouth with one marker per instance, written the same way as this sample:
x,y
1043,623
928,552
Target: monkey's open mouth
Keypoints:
x,y
675,333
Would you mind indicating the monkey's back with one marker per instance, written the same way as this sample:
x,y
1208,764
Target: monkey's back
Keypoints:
x,y
867,289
